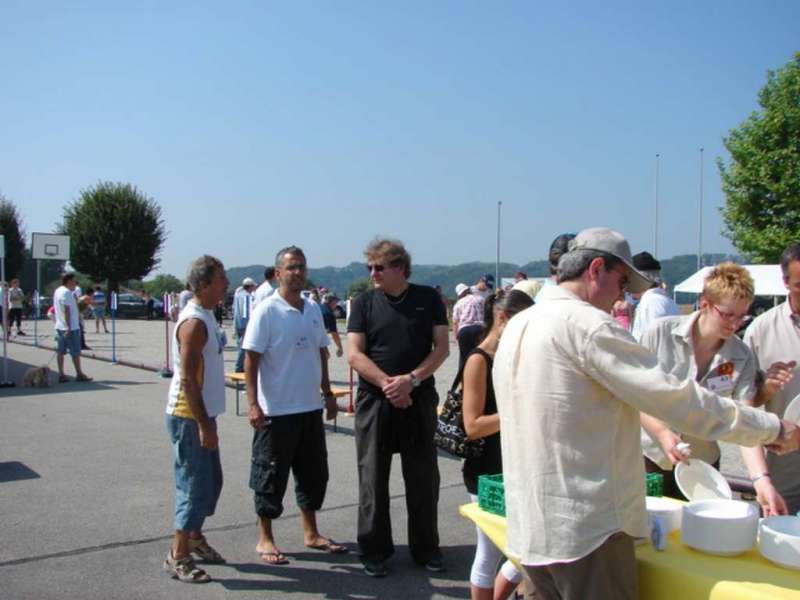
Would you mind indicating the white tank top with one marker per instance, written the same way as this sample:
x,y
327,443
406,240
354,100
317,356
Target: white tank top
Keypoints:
x,y
213,368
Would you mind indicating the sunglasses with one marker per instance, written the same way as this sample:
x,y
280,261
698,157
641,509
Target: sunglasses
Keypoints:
x,y
376,268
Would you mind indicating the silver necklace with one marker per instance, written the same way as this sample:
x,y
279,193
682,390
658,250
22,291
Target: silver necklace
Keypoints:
x,y
400,298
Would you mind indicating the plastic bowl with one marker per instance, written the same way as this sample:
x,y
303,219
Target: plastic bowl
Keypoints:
x,y
668,509
779,540
722,527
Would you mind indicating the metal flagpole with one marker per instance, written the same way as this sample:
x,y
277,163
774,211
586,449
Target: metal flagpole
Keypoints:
x,y
497,261
700,218
655,228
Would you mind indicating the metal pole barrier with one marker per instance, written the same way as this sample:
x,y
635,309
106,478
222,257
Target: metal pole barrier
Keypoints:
x,y
166,371
5,383
113,328
37,304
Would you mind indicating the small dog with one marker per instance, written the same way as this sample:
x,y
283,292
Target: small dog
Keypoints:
x,y
37,377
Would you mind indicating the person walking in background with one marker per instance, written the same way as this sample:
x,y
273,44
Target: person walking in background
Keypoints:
x,y
242,308
99,308
267,287
184,297
16,298
467,320
286,365
68,328
622,311
195,399
558,247
329,303
481,421
654,303
396,339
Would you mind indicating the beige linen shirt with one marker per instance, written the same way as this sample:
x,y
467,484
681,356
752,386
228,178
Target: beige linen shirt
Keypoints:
x,y
570,383
775,336
670,339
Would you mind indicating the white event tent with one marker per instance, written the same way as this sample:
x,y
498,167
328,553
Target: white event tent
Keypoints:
x,y
768,280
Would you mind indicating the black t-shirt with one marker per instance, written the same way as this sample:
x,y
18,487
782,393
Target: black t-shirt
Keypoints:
x,y
399,330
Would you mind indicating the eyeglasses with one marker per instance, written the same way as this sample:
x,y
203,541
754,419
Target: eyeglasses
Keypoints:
x,y
729,317
295,267
376,268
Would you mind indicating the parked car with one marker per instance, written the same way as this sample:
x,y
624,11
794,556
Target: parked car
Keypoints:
x,y
131,306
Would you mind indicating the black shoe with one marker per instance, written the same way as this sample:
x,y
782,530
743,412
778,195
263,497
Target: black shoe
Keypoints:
x,y
20,333
434,565
375,568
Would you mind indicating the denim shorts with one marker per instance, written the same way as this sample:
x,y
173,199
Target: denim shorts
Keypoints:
x,y
198,475
69,341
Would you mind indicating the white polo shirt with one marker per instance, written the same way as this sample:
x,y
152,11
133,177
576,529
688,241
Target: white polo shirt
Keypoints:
x,y
289,340
63,299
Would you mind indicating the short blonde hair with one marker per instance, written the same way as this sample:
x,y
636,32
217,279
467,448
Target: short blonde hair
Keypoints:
x,y
728,281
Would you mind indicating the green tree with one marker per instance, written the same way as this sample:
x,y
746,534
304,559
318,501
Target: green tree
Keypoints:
x,y
11,228
359,286
116,232
162,284
762,180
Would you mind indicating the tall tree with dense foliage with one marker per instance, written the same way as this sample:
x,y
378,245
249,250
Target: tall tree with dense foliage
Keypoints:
x,y
116,232
162,284
762,179
11,228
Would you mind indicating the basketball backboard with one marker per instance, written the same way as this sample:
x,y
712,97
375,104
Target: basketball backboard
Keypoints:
x,y
50,246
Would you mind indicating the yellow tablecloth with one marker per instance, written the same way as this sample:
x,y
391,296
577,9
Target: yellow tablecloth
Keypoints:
x,y
680,573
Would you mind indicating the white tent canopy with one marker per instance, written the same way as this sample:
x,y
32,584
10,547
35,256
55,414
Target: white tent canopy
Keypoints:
x,y
768,280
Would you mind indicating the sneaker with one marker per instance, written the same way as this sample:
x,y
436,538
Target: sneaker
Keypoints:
x,y
185,570
375,568
21,333
434,565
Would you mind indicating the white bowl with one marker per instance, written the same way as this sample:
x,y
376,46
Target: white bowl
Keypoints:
x,y
668,509
779,540
698,480
723,527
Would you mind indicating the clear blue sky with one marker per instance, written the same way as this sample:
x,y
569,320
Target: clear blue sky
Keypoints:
x,y
258,124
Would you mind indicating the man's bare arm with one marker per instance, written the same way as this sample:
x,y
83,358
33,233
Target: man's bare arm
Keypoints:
x,y
192,337
254,413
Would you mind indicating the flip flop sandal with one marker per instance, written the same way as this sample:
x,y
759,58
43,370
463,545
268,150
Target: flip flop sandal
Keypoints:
x,y
83,378
201,548
330,547
274,558
63,379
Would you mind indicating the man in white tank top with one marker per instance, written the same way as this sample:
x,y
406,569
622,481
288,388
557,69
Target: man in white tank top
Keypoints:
x,y
196,397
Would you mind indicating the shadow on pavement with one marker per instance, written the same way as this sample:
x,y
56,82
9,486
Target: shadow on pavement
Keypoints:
x,y
16,471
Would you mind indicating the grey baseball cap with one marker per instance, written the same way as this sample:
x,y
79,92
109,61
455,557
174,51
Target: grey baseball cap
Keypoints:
x,y
603,239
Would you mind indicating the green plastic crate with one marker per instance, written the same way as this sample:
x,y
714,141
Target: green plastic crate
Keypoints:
x,y
655,484
492,494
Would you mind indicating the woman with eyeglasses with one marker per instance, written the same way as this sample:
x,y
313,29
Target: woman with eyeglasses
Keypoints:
x,y
701,345
481,421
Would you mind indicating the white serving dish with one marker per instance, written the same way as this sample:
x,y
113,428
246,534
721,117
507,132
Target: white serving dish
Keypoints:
x,y
668,509
792,412
698,480
722,527
779,540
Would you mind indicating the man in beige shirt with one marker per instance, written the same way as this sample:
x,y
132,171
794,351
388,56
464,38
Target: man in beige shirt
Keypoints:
x,y
570,383
774,338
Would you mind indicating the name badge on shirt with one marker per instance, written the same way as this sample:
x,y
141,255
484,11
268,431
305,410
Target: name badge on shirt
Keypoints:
x,y
302,343
720,384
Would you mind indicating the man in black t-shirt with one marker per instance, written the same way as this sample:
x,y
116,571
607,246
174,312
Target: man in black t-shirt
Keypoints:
x,y
397,337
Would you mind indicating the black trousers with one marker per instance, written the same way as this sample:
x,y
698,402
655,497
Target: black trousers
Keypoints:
x,y
289,442
468,339
382,430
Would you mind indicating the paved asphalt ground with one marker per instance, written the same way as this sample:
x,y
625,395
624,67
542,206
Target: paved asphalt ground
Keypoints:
x,y
86,492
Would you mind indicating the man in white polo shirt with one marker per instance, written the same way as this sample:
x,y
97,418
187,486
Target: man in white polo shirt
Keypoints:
x,y
285,366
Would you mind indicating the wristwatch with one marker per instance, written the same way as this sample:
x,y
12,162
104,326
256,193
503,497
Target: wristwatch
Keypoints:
x,y
415,381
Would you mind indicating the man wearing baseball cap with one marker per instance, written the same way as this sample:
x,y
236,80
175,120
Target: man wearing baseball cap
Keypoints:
x,y
570,383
